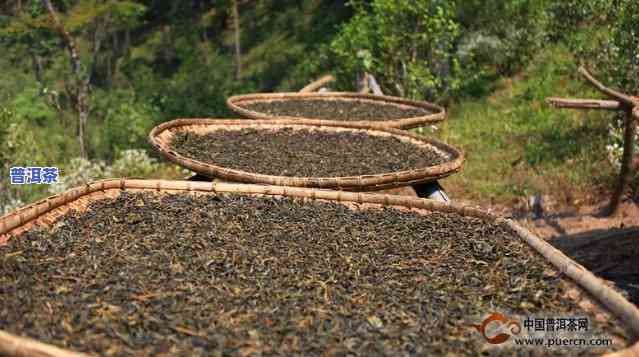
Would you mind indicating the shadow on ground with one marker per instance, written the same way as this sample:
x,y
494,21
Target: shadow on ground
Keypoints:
x,y
611,254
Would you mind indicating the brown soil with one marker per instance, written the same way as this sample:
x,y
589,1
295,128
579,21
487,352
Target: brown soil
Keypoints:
x,y
234,275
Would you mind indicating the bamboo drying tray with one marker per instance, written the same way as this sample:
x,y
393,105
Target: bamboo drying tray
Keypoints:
x,y
160,137
46,212
436,115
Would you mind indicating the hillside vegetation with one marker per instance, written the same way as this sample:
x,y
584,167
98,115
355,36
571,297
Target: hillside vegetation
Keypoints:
x,y
143,62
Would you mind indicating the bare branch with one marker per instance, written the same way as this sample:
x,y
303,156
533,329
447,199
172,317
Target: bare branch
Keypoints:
x,y
313,86
584,103
623,98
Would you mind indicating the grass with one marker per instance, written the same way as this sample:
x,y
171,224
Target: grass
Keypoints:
x,y
516,145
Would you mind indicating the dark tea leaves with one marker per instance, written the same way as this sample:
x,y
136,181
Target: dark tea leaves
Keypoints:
x,y
151,273
305,153
346,110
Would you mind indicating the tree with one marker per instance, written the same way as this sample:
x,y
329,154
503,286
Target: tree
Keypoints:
x,y
82,80
96,17
407,45
236,29
617,59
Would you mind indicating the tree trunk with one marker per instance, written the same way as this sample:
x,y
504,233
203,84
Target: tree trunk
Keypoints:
x,y
38,71
127,40
83,116
627,164
81,79
112,58
238,49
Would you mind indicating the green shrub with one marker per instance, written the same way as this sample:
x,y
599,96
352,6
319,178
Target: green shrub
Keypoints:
x,y
129,163
133,163
408,46
617,64
126,123
503,34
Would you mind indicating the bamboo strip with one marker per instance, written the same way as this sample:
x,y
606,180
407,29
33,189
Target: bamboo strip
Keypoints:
x,y
628,313
160,139
614,301
11,345
629,105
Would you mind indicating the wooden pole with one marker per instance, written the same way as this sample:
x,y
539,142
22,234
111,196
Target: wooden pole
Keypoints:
x,y
620,101
315,85
11,345
625,99
627,164
584,103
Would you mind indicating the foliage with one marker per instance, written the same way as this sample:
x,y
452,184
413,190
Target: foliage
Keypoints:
x,y
615,147
504,35
79,171
406,44
569,17
133,163
158,60
127,121
617,63
18,147
186,95
618,55
518,146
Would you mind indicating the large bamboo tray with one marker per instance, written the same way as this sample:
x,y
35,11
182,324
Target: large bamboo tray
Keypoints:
x,y
237,103
160,137
601,298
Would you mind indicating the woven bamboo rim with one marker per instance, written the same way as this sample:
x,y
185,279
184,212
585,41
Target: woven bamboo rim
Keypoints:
x,y
438,113
160,138
46,211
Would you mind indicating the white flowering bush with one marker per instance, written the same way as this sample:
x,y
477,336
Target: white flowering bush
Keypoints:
x,y
615,146
11,206
129,163
133,163
78,172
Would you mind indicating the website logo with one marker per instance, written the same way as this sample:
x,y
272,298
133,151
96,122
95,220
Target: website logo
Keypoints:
x,y
501,320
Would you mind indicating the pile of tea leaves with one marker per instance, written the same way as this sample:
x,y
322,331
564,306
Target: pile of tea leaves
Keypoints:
x,y
347,110
304,152
150,273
